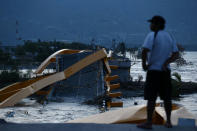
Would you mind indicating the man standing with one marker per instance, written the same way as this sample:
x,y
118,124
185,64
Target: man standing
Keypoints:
x,y
159,50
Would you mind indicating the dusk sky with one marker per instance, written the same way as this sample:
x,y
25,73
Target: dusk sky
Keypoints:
x,y
82,20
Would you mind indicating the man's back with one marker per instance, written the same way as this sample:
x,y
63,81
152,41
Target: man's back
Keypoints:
x,y
161,46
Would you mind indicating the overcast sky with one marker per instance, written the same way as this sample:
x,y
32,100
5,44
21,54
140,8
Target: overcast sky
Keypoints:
x,y
82,20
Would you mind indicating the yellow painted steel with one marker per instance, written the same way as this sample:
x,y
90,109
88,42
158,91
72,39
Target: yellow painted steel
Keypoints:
x,y
8,91
107,67
52,58
21,90
135,115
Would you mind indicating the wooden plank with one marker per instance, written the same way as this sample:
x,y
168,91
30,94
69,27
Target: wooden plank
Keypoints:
x,y
111,86
46,81
117,94
107,67
114,86
53,59
48,60
113,67
110,78
116,104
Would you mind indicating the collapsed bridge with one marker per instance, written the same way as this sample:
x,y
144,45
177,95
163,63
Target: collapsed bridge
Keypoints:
x,y
12,94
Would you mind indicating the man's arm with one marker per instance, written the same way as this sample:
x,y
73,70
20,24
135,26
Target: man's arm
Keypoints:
x,y
173,57
144,58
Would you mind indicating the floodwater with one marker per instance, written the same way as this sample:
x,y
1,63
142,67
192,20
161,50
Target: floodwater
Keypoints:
x,y
52,112
72,107
188,72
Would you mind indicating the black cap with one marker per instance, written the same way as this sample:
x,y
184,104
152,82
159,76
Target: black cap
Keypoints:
x,y
157,20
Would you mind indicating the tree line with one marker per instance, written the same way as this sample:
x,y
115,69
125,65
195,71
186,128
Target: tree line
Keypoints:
x,y
33,53
29,56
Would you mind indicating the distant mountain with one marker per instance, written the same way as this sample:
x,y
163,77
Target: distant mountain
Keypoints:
x,y
82,20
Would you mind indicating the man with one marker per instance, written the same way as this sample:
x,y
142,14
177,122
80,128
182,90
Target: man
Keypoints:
x,y
158,51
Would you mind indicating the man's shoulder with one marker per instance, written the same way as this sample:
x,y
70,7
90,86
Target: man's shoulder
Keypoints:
x,y
148,40
150,34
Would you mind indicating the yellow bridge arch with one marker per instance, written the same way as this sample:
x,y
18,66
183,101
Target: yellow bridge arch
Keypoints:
x,y
12,94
